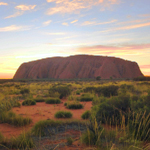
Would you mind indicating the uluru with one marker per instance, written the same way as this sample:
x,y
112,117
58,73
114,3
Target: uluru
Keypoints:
x,y
78,66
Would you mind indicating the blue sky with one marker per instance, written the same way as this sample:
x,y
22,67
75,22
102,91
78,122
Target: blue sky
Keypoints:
x,y
36,29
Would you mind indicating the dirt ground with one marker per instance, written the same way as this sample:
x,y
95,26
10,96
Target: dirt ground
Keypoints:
x,y
40,111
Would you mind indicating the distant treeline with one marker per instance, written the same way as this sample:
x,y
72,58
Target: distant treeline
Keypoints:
x,y
144,78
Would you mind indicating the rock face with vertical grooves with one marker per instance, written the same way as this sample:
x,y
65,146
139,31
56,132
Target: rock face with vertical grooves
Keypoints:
x,y
78,66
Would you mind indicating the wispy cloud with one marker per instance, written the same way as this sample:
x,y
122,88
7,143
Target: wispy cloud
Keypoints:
x,y
114,50
25,7
15,15
74,21
55,33
14,28
65,24
133,26
20,10
97,23
127,27
2,3
46,23
74,6
145,66
144,15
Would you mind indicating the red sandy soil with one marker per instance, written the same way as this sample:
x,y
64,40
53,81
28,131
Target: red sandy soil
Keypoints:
x,y
40,111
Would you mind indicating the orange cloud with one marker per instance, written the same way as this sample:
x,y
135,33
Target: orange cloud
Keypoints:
x,y
2,3
25,7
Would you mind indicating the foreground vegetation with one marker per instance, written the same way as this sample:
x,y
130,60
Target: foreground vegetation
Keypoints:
x,y
123,106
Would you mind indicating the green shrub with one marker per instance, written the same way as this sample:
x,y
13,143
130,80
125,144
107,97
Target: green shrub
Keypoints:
x,y
13,119
52,101
65,104
69,141
39,100
74,105
16,104
29,102
64,91
121,102
108,114
63,114
90,89
107,91
78,92
86,115
24,91
86,97
1,138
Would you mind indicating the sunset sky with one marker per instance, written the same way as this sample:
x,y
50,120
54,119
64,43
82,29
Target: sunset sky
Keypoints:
x,y
31,30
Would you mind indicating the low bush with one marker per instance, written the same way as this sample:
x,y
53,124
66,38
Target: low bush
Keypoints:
x,y
64,91
108,114
86,115
24,91
86,97
63,114
77,92
13,119
90,89
52,101
39,100
107,91
69,141
1,138
16,104
29,102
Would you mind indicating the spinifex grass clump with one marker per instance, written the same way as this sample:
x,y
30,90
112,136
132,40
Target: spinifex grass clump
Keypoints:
x,y
6,104
22,142
13,119
53,101
39,128
139,126
63,114
86,97
29,102
16,104
86,115
73,105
